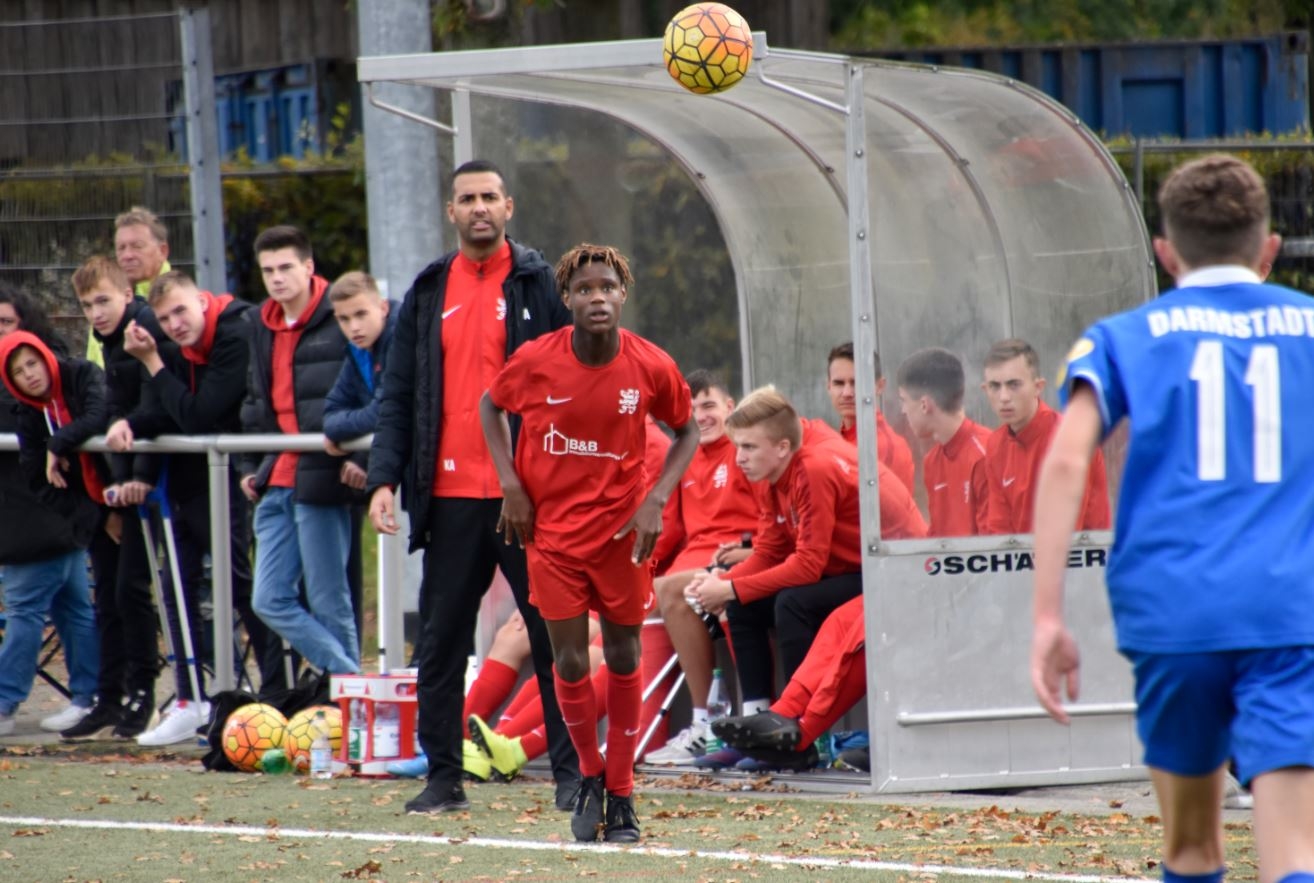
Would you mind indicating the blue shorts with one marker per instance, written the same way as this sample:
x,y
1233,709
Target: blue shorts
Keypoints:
x,y
1195,710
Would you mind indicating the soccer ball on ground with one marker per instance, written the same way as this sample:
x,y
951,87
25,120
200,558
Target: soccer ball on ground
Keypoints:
x,y
708,47
251,731
301,733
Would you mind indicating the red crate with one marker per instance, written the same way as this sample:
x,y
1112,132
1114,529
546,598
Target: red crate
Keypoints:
x,y
375,692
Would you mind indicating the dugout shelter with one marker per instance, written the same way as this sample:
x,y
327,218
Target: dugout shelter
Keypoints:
x,y
898,206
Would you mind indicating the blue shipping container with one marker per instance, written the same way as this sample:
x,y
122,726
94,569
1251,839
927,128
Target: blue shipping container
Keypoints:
x,y
1182,89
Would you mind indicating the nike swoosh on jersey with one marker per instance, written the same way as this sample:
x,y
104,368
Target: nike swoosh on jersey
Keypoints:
x,y
780,519
1007,481
447,313
941,486
689,484
552,401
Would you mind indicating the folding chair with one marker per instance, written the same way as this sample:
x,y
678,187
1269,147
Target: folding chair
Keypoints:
x,y
714,631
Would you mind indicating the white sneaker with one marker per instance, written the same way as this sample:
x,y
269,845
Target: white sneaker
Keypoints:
x,y
6,724
62,720
1236,797
179,724
691,742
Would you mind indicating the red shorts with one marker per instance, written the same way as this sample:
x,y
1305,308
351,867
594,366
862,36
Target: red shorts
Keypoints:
x,y
692,559
564,587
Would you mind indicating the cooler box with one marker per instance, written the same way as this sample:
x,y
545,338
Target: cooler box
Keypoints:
x,y
378,719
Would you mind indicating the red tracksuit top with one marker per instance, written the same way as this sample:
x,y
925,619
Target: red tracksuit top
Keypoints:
x,y
1012,466
957,490
808,525
713,504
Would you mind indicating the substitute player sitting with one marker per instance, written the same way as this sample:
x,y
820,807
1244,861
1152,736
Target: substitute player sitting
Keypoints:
x,y
807,553
573,496
1210,573
704,524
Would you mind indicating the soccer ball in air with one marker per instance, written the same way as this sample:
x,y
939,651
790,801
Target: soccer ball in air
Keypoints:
x,y
708,47
251,731
301,733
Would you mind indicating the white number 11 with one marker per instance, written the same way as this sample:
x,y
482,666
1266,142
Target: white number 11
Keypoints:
x,y
1211,417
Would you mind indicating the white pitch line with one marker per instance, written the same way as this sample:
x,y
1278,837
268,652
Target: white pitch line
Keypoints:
x,y
546,846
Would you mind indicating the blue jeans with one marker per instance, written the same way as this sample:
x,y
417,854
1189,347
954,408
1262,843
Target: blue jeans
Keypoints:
x,y
295,540
58,587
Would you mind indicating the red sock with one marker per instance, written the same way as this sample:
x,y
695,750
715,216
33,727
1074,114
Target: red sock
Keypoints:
x,y
524,720
601,684
580,712
624,705
534,742
489,690
657,650
526,697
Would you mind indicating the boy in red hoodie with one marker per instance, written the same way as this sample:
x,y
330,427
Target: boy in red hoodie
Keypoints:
x,y
303,513
61,404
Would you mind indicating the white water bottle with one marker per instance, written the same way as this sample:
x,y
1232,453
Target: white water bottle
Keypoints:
x,y
387,729
321,749
718,706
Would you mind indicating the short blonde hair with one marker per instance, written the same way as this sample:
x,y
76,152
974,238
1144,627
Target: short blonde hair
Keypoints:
x,y
165,283
352,283
767,407
97,269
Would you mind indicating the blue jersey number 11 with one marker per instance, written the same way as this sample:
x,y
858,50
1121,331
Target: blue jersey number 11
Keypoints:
x,y
1211,416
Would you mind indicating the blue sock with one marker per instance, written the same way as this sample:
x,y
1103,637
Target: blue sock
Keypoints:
x,y
1298,877
1212,877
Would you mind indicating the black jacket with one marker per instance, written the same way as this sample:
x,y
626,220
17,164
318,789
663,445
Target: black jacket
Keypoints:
x,y
316,363
124,378
406,437
37,520
192,399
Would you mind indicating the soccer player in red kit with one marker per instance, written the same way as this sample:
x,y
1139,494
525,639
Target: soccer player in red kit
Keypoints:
x,y
891,448
931,384
1015,450
574,493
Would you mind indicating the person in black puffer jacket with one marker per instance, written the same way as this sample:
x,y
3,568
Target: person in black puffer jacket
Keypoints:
x,y
125,611
303,513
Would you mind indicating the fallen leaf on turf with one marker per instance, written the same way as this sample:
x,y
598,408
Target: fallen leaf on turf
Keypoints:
x,y
369,869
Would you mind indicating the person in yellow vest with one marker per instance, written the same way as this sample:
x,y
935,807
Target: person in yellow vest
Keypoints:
x,y
141,249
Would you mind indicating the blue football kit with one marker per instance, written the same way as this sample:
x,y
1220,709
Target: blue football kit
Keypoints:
x,y
1214,539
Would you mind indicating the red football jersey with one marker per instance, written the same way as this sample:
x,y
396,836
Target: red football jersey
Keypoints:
x,y
809,526
713,504
956,487
891,449
582,440
1012,466
473,332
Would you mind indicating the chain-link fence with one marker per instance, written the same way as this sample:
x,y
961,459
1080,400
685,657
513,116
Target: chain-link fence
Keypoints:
x,y
91,113
1287,166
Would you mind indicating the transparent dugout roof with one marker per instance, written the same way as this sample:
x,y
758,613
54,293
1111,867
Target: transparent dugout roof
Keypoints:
x,y
994,212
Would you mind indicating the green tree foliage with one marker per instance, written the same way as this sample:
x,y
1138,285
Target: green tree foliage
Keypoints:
x,y
867,24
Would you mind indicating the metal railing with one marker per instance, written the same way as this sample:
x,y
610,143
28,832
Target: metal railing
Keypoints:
x,y
217,449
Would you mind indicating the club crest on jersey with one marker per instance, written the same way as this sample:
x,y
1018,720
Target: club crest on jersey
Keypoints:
x,y
629,401
561,445
720,476
501,309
